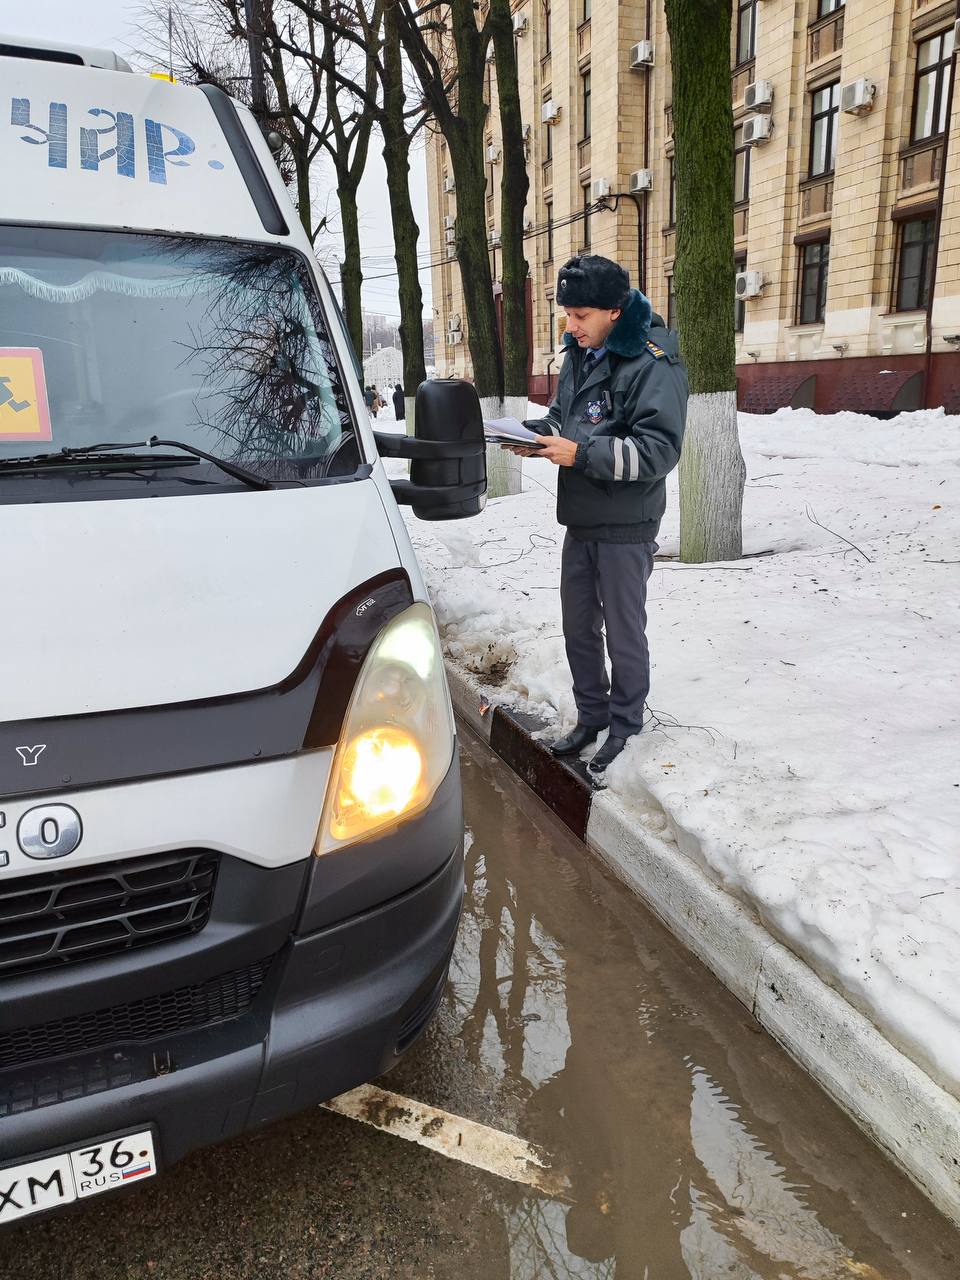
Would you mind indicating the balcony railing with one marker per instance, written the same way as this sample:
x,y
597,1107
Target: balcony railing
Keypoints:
x,y
583,39
920,166
583,154
825,38
816,198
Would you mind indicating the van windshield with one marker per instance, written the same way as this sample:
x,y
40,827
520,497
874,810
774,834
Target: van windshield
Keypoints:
x,y
118,337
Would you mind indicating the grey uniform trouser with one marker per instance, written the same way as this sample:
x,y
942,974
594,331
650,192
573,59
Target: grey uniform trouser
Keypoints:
x,y
604,585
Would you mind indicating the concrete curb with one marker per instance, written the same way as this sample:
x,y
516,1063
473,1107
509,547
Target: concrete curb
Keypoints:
x,y
898,1106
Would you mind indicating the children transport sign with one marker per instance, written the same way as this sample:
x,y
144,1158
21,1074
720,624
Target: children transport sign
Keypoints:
x,y
24,410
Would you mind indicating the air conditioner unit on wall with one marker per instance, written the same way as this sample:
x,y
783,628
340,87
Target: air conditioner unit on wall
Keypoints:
x,y
641,180
758,94
549,112
454,339
449,185
493,154
525,132
857,97
641,55
757,129
519,23
449,221
493,240
599,188
450,236
454,323
749,284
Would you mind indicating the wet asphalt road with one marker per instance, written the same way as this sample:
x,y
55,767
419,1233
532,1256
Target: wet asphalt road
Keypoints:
x,y
691,1145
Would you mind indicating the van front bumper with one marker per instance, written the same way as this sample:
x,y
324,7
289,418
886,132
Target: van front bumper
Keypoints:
x,y
333,1008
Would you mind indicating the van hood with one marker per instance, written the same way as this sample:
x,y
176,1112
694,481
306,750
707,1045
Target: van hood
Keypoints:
x,y
147,602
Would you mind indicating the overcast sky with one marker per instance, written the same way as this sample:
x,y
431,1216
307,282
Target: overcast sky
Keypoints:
x,y
112,24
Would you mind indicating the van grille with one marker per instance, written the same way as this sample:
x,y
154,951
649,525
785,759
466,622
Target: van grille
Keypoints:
x,y
59,917
187,1008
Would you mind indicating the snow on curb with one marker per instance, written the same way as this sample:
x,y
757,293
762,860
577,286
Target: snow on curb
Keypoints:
x,y
889,1097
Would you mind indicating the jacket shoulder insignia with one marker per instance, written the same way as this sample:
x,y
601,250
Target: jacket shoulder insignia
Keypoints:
x,y
658,353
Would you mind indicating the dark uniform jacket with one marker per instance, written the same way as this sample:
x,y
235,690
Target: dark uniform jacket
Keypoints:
x,y
628,419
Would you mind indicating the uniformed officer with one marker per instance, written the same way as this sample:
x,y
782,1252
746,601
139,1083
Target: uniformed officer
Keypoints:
x,y
614,430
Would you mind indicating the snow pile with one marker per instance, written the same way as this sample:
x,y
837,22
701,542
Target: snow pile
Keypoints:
x,y
804,744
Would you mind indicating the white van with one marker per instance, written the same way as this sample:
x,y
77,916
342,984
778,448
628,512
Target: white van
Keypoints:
x,y
231,837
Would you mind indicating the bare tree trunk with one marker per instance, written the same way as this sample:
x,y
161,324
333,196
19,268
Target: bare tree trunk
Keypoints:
x,y
514,185
351,272
712,472
406,233
461,114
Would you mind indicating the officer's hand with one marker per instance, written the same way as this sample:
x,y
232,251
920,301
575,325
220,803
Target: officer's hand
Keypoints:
x,y
556,449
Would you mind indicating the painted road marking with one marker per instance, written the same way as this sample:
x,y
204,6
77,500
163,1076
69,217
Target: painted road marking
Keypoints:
x,y
501,1154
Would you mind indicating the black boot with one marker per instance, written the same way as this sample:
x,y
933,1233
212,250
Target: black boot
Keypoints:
x,y
607,754
575,741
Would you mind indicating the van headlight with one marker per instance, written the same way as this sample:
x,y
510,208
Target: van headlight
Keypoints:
x,y
398,736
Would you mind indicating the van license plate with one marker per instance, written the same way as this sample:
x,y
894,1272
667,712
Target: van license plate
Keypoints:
x,y
52,1181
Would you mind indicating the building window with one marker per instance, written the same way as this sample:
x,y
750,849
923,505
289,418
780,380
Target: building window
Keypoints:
x,y
932,87
672,210
741,167
548,142
586,217
671,304
823,130
547,19
916,264
585,104
746,30
739,306
551,325
587,10
814,260
826,7
549,208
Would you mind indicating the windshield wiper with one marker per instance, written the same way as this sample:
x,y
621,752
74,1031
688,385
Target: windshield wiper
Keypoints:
x,y
115,457
92,457
239,473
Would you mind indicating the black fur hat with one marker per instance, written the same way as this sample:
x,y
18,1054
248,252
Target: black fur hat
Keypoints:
x,y
591,281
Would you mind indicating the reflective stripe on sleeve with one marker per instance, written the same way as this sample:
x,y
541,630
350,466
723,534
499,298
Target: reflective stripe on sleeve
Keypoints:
x,y
619,458
633,457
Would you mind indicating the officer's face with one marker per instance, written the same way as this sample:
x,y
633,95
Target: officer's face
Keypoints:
x,y
590,326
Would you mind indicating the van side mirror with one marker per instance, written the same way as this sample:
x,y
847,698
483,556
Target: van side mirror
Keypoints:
x,y
448,473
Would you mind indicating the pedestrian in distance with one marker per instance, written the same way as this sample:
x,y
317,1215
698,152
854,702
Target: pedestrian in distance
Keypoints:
x,y
399,408
369,396
614,430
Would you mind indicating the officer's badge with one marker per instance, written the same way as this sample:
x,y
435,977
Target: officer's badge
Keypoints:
x,y
595,411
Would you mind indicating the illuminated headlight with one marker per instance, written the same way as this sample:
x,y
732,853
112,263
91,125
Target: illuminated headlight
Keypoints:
x,y
397,741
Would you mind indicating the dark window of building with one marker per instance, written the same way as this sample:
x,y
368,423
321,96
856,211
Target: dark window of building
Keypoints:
x,y
814,261
587,10
746,30
823,130
547,20
671,304
739,306
551,325
673,193
933,86
826,7
741,167
916,264
549,208
548,142
586,215
585,104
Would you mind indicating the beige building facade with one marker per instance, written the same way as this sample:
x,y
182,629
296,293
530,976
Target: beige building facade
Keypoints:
x,y
847,213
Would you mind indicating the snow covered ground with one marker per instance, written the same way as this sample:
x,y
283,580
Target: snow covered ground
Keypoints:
x,y
803,746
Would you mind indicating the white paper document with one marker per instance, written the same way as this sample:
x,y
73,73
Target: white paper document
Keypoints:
x,y
509,431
